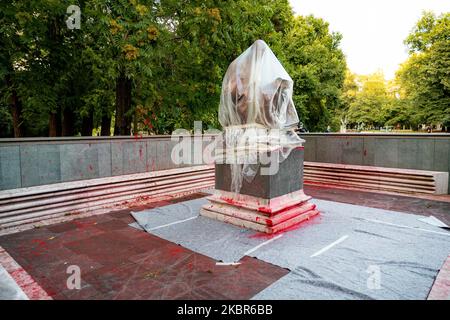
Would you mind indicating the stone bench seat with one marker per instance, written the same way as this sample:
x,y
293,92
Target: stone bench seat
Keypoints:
x,y
30,205
376,178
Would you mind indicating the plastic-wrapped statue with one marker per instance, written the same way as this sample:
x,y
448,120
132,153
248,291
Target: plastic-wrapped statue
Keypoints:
x,y
256,110
256,90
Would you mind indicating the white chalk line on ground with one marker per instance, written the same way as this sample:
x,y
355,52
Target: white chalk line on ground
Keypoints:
x,y
248,252
172,223
227,263
262,244
328,247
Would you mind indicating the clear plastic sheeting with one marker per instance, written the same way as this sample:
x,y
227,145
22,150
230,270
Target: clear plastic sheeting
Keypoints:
x,y
257,113
257,90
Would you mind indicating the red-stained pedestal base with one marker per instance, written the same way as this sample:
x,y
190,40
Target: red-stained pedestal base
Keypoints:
x,y
263,215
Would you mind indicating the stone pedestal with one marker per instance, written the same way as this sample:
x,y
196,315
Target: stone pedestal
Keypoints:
x,y
269,203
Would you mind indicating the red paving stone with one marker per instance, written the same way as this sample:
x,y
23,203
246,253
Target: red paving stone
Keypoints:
x,y
441,286
120,262
28,285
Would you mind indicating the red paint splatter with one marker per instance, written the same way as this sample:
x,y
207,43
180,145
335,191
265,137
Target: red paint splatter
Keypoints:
x,y
175,251
229,200
265,209
301,224
41,247
269,211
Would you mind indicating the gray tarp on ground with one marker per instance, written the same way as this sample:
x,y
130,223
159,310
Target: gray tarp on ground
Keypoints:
x,y
9,290
214,239
383,255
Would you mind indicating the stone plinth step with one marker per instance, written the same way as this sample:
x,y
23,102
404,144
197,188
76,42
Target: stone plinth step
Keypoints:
x,y
263,215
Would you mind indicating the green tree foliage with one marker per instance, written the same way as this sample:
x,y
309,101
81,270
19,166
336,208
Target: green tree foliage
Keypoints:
x,y
49,70
420,92
150,66
398,111
348,97
425,76
207,36
369,102
317,66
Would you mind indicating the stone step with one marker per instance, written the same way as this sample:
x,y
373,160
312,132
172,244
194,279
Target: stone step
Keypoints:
x,y
376,178
36,204
284,225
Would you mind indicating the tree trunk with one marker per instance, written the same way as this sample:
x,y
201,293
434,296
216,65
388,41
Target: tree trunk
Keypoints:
x,y
59,122
87,124
52,124
55,117
16,109
106,125
135,123
67,123
123,105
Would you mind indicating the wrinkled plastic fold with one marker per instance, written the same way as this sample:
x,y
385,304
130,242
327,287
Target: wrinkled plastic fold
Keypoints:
x,y
257,112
